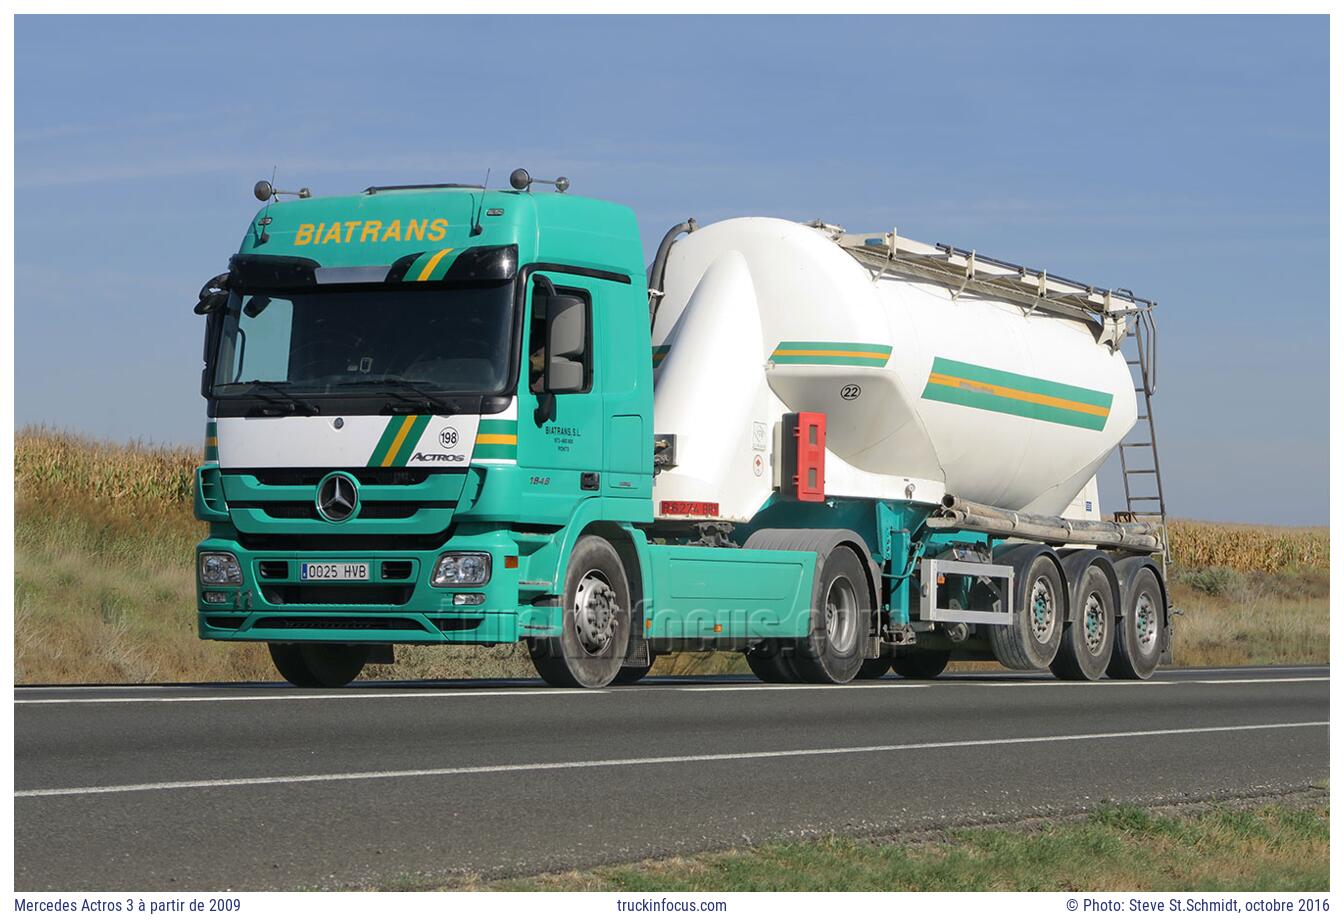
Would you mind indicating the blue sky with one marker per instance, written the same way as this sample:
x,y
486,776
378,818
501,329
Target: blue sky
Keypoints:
x,y
1185,158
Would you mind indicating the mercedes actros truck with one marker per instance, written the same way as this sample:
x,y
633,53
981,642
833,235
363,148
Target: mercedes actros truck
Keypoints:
x,y
447,414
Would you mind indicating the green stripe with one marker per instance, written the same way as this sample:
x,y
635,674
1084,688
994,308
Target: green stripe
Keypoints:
x,y
496,451
1021,382
884,351
415,268
993,402
412,439
659,353
385,442
498,426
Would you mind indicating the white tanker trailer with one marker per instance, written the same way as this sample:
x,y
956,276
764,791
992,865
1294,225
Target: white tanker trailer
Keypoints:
x,y
977,396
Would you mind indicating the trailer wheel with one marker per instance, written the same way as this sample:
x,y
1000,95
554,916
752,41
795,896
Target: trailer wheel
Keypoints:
x,y
772,663
318,664
1138,641
1089,637
1030,642
873,668
921,664
832,653
595,628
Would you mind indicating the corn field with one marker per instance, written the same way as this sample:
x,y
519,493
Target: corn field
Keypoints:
x,y
48,462
1246,548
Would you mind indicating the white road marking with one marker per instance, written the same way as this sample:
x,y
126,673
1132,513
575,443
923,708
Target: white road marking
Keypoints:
x,y
883,685
641,761
952,681
284,697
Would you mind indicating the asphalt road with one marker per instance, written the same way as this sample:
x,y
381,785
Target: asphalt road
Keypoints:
x,y
264,786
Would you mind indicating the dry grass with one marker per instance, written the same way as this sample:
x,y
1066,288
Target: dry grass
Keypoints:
x,y
104,539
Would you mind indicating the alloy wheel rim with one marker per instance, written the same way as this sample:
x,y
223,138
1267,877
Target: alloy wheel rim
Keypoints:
x,y
595,610
1042,609
1094,623
841,614
1145,622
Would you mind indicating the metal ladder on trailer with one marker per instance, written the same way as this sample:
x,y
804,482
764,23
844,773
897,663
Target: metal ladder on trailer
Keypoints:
x,y
1139,464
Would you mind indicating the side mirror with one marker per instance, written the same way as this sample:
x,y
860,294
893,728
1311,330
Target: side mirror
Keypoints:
x,y
566,344
214,295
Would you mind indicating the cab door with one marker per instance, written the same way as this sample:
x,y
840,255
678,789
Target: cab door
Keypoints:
x,y
561,432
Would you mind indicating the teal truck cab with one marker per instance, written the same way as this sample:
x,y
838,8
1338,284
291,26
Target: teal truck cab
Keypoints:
x,y
430,421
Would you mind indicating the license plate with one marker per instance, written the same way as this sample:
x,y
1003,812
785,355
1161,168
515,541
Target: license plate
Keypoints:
x,y
334,571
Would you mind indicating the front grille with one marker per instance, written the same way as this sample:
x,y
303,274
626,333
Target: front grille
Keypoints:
x,y
382,623
395,571
395,510
338,595
273,568
371,476
343,542
456,624
373,511
223,622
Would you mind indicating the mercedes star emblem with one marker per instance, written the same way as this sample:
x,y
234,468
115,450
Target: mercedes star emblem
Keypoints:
x,y
336,497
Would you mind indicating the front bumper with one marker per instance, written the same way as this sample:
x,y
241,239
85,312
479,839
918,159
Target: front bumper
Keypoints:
x,y
396,605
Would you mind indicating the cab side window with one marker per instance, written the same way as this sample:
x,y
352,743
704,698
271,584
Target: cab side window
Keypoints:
x,y
540,333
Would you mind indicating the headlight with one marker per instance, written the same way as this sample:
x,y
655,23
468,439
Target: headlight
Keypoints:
x,y
461,570
220,569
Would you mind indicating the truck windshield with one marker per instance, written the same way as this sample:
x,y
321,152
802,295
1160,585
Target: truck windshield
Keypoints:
x,y
446,340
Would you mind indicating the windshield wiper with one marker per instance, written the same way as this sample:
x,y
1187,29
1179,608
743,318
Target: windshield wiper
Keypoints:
x,y
283,398
427,399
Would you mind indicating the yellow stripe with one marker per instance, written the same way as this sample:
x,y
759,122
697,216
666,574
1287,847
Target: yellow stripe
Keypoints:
x,y
496,439
212,442
429,266
396,442
1019,395
830,354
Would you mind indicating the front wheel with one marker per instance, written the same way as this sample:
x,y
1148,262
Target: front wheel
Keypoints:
x,y
595,626
318,664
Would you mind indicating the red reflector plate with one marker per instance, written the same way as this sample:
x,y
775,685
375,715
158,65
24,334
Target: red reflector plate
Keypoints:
x,y
691,509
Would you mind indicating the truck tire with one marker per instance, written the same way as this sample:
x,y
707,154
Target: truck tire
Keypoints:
x,y
921,664
1089,637
873,669
772,663
832,652
1030,642
1142,624
595,626
318,664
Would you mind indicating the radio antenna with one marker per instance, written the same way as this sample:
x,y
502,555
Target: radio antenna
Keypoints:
x,y
476,223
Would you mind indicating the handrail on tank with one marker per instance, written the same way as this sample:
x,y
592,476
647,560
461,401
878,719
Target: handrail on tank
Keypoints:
x,y
964,270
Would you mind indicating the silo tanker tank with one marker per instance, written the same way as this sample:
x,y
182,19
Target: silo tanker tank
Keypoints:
x,y
927,389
